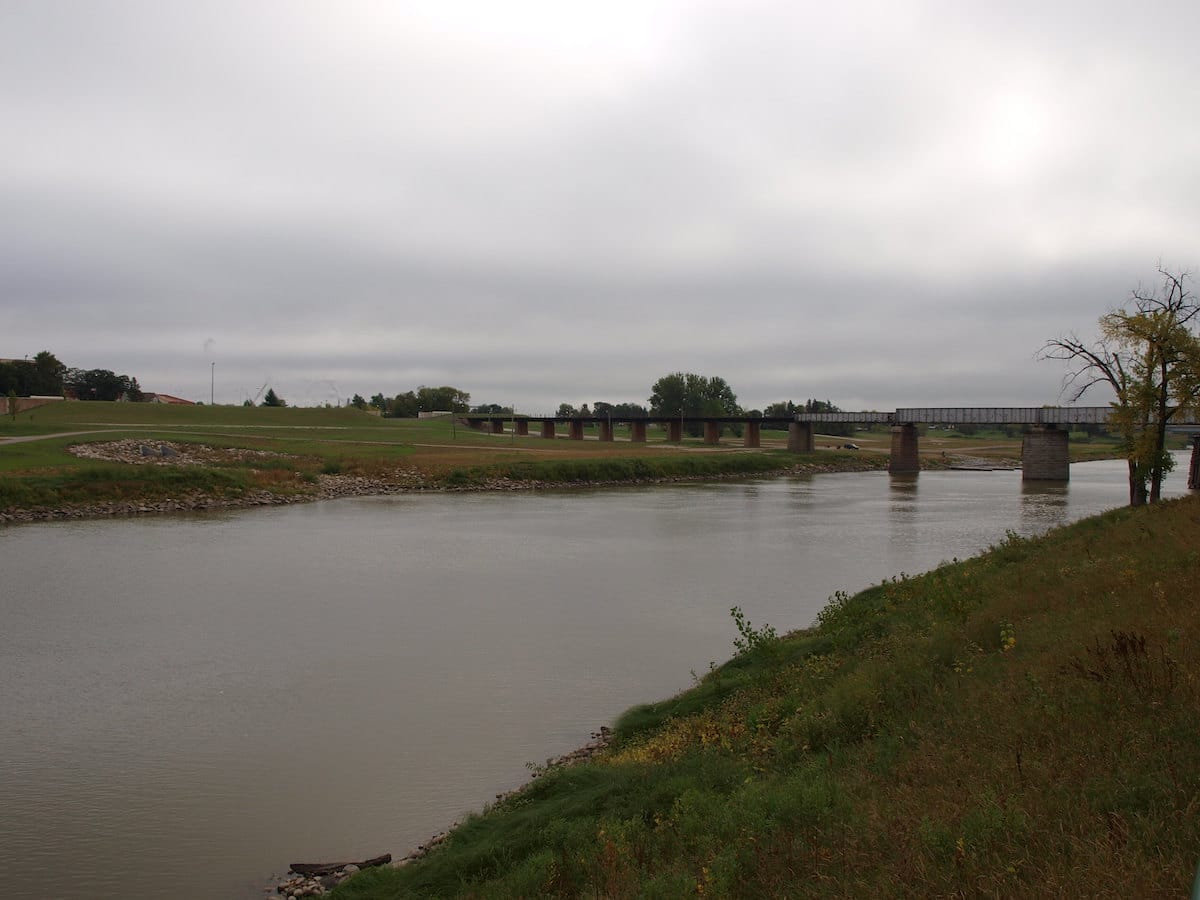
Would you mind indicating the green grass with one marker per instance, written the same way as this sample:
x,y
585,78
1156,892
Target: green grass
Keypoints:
x,y
623,469
98,482
310,442
1022,723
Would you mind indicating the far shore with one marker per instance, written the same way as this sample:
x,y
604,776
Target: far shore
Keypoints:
x,y
332,487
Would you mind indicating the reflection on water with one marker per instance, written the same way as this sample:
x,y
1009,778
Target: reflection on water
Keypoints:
x,y
192,702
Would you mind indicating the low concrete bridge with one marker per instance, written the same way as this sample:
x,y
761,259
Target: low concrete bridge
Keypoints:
x,y
1044,449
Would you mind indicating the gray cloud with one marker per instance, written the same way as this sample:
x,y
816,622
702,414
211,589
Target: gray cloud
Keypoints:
x,y
883,204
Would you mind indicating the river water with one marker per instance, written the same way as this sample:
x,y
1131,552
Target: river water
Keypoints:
x,y
189,703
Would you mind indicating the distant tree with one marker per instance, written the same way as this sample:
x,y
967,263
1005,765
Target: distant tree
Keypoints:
x,y
492,409
566,409
629,411
41,376
247,402
584,410
273,399
404,406
693,396
48,380
132,390
444,398
101,384
380,403
358,401
602,410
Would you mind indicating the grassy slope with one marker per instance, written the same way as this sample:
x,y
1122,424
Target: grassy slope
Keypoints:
x,y
1022,723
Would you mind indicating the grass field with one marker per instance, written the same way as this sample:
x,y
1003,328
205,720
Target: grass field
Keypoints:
x,y
311,442
1018,724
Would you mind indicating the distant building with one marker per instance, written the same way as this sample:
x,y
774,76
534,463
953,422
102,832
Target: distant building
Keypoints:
x,y
148,397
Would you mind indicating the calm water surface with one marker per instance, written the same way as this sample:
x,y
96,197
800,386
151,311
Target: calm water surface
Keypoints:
x,y
188,704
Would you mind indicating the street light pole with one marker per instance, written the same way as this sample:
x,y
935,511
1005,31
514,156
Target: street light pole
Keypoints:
x,y
212,383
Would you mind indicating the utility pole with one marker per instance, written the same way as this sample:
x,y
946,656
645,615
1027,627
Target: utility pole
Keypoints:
x,y
212,383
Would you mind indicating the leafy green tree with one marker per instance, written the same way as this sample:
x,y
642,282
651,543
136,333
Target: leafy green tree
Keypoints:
x,y
48,375
444,398
404,406
273,399
566,409
1148,354
358,401
380,403
41,376
692,396
101,384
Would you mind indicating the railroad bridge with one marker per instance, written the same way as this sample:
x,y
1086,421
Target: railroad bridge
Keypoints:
x,y
1044,449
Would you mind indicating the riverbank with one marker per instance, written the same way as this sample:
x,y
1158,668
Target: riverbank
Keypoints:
x,y
311,486
1019,723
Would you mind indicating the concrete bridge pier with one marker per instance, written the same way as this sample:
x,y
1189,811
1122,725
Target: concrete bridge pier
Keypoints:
x,y
712,432
905,458
1044,455
637,432
801,437
522,426
576,430
1194,469
752,436
548,429
674,431
606,431
497,426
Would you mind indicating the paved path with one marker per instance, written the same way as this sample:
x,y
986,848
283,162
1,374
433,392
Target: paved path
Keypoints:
x,y
45,437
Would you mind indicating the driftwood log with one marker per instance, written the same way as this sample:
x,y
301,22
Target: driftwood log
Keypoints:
x,y
316,870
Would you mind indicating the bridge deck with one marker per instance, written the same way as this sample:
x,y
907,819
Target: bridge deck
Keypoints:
x,y
973,415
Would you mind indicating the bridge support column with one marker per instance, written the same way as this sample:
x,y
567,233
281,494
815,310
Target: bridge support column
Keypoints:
x,y
801,437
576,430
905,458
751,436
637,432
1194,470
1044,455
606,431
522,426
497,426
712,432
674,431
548,429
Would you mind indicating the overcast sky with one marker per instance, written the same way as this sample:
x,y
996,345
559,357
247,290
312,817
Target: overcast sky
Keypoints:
x,y
881,204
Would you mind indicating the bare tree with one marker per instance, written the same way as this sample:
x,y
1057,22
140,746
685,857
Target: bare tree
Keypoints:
x,y
1149,356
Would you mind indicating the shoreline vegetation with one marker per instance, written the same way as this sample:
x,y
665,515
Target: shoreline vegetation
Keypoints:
x,y
96,459
1019,723
208,490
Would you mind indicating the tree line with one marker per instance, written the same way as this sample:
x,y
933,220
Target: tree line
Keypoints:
x,y
46,376
409,404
